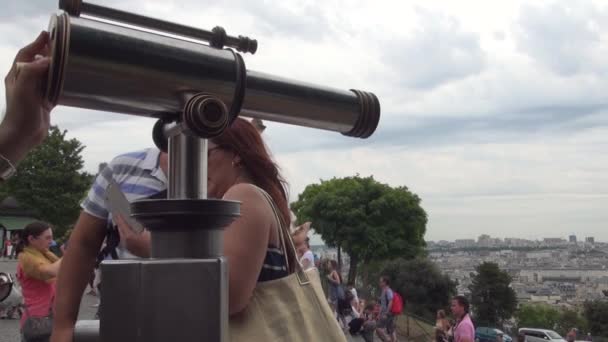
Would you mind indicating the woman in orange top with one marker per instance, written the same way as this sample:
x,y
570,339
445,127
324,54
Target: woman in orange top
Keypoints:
x,y
37,270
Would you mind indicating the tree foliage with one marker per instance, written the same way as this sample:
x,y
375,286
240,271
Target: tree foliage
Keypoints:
x,y
367,219
543,316
50,180
492,298
419,281
540,316
596,313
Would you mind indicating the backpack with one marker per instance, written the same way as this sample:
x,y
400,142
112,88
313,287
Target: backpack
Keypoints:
x,y
397,307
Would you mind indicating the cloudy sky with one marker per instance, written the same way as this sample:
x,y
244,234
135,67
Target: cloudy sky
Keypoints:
x,y
495,113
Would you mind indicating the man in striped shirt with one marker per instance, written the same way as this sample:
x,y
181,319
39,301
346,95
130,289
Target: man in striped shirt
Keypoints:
x,y
139,174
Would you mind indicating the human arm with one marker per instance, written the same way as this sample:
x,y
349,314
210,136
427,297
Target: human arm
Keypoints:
x,y
467,333
306,263
245,243
137,243
333,277
78,263
37,269
27,118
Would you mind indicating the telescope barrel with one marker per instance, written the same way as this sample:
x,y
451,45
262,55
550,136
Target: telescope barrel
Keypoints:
x,y
217,37
103,66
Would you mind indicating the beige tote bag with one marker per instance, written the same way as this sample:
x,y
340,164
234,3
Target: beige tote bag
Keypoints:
x,y
290,309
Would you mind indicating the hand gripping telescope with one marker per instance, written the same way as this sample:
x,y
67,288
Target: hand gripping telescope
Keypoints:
x,y
195,83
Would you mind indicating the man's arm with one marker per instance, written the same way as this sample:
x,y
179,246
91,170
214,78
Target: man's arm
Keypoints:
x,y
76,268
469,336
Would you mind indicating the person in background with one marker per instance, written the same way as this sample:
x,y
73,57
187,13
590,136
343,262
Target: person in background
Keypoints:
x,y
8,248
386,323
571,336
442,326
27,118
299,236
355,302
369,322
464,330
335,282
521,337
36,271
308,259
14,242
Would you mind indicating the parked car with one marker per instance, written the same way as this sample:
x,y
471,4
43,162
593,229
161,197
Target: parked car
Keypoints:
x,y
484,334
541,335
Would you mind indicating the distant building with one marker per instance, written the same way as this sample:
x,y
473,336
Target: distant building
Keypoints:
x,y
484,240
554,242
464,243
572,238
590,239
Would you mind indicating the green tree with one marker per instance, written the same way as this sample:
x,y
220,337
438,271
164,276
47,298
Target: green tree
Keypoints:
x,y
493,299
367,219
423,287
50,180
537,316
596,313
569,319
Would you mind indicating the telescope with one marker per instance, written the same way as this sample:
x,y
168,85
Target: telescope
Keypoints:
x,y
194,83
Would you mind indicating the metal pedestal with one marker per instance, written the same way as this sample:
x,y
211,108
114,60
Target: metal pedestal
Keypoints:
x,y
175,300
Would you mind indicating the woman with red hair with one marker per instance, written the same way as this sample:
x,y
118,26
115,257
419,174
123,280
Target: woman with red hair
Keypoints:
x,y
241,169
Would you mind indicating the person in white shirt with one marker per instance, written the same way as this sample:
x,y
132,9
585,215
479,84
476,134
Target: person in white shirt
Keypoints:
x,y
308,258
302,244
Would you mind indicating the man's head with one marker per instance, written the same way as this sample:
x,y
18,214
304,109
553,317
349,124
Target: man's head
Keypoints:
x,y
460,306
385,282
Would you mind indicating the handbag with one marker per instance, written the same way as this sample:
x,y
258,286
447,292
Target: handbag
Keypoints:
x,y
290,309
37,328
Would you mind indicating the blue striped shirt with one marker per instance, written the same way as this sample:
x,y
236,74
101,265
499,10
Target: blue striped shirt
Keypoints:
x,y
139,176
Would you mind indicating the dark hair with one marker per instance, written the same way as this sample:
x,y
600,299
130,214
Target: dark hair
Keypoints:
x,y
462,301
386,280
34,229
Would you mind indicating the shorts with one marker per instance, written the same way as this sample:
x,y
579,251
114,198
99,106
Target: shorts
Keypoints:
x,y
387,323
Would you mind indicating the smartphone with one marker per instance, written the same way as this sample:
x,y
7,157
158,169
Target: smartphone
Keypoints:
x,y
117,204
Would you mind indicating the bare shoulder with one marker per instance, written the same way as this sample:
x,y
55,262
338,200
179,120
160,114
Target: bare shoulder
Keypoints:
x,y
253,202
244,192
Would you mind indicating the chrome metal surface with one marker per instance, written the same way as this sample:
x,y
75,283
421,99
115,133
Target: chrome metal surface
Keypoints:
x,y
124,70
6,285
221,39
282,100
187,167
164,300
201,244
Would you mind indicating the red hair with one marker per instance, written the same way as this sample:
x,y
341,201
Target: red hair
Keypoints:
x,y
245,140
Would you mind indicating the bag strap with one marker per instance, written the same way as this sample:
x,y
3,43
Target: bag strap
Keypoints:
x,y
280,229
287,243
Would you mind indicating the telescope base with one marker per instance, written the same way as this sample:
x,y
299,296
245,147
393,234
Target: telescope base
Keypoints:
x,y
174,299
